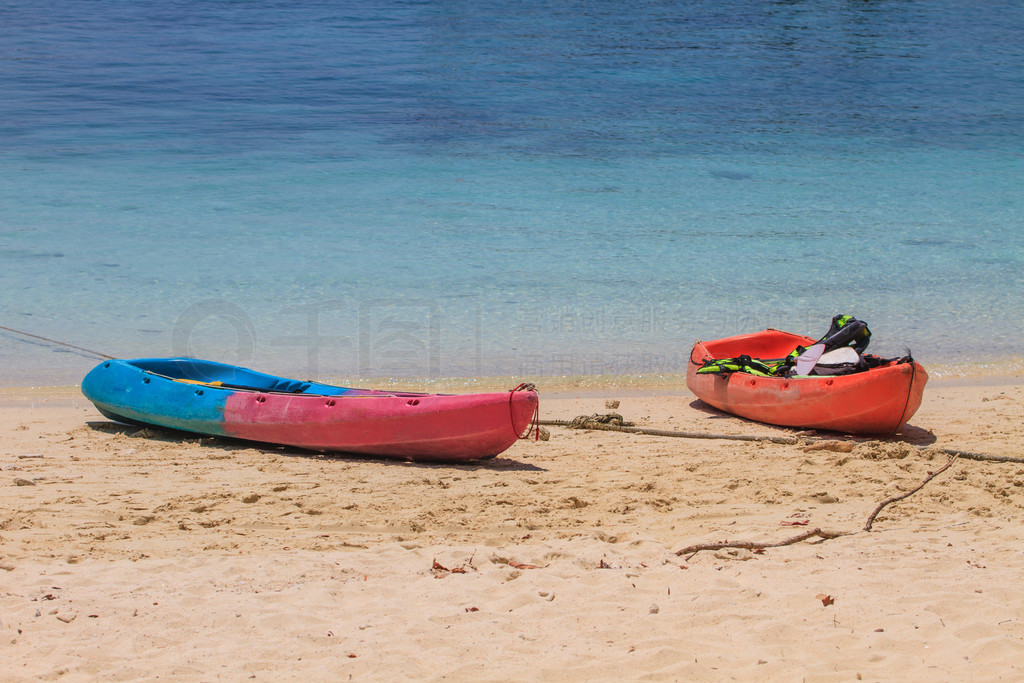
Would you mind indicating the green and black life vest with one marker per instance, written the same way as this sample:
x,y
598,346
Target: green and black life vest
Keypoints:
x,y
743,363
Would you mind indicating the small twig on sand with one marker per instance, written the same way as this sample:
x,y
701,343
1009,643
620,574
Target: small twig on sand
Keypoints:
x,y
813,533
755,545
893,499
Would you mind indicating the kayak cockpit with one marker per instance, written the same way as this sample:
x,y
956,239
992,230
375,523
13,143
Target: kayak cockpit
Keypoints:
x,y
223,376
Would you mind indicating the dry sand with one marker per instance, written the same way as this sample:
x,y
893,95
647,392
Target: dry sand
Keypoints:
x,y
128,554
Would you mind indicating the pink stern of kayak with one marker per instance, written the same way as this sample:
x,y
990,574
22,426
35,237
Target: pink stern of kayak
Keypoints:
x,y
876,401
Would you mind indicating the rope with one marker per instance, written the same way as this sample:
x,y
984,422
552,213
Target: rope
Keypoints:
x,y
534,425
599,422
60,343
968,455
587,422
910,391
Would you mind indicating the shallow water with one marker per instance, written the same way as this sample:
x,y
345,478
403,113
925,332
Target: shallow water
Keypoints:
x,y
447,190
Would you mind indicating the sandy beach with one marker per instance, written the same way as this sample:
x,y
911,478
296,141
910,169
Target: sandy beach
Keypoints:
x,y
138,554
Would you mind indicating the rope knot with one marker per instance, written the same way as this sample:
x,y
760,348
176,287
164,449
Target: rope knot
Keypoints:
x,y
588,421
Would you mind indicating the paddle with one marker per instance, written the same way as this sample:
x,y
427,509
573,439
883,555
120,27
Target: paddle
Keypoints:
x,y
806,361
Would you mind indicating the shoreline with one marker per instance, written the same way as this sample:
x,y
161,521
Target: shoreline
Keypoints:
x,y
964,374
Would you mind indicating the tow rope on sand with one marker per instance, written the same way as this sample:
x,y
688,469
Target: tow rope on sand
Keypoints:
x,y
613,422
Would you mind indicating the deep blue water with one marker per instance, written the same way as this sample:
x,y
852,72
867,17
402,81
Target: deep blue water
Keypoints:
x,y
453,189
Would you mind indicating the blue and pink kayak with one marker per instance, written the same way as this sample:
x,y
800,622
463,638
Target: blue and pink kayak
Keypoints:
x,y
211,398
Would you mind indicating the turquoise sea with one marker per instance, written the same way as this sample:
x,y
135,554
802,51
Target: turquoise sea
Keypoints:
x,y
439,189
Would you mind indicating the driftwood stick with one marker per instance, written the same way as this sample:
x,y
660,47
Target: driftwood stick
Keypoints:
x,y
893,499
814,533
757,545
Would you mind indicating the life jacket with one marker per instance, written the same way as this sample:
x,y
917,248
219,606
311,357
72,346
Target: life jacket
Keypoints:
x,y
742,363
845,332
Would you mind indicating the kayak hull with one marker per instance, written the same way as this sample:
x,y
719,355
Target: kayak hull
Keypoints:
x,y
223,400
877,401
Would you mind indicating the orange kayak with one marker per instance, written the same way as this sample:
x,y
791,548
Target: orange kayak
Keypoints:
x,y
876,401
